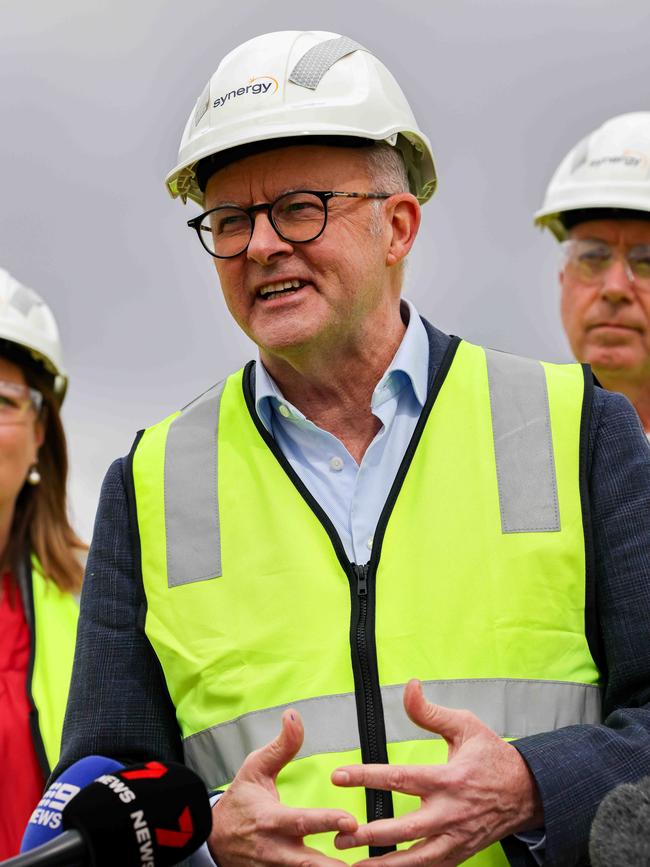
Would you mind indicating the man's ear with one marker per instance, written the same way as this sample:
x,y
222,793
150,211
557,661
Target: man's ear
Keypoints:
x,y
403,212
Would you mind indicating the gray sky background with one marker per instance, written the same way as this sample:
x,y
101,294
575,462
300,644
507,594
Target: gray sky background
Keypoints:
x,y
94,95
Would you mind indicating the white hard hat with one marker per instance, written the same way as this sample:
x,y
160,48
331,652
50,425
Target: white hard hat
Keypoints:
x,y
292,83
27,321
610,168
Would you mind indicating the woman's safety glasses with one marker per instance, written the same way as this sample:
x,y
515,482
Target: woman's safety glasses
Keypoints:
x,y
16,400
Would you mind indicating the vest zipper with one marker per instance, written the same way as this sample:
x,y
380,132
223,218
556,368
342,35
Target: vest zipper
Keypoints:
x,y
372,734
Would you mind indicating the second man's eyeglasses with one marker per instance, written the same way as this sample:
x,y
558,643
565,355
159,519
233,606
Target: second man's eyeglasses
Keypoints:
x,y
589,260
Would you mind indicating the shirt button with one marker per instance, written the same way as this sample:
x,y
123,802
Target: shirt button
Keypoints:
x,y
336,464
369,543
284,410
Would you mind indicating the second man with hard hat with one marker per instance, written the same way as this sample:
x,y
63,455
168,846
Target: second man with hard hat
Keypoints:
x,y
598,206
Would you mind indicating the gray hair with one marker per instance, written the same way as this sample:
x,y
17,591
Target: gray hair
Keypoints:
x,y
387,171
387,168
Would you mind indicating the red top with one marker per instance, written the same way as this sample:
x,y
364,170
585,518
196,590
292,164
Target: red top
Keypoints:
x,y
21,777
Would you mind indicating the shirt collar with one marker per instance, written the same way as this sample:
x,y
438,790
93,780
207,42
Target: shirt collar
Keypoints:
x,y
267,395
412,356
410,364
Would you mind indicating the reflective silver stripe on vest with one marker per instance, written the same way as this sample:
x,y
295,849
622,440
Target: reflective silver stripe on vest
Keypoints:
x,y
523,446
314,63
511,708
191,502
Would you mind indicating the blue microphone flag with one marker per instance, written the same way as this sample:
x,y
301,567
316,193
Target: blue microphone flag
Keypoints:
x,y
45,822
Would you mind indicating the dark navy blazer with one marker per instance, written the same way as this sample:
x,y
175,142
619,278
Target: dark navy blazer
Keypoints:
x,y
119,704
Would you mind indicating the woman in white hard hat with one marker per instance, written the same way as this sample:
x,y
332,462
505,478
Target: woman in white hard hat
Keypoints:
x,y
40,566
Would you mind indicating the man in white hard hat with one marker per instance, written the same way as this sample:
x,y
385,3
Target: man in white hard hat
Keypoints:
x,y
369,502
598,206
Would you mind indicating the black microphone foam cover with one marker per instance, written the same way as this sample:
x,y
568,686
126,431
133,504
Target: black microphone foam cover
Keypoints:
x,y
620,833
150,815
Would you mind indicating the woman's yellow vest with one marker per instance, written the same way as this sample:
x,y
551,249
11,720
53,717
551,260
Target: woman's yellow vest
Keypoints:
x,y
52,615
476,581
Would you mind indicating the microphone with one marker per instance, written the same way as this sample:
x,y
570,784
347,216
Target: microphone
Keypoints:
x,y
620,833
150,815
45,823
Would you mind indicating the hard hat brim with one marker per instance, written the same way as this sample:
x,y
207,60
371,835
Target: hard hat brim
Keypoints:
x,y
181,181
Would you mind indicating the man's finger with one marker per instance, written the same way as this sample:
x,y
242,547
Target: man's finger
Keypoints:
x,y
408,779
270,759
422,852
386,832
302,855
294,822
453,725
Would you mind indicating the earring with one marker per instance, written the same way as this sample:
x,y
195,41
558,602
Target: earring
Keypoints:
x,y
33,477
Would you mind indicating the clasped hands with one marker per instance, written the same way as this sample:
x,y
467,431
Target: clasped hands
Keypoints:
x,y
483,793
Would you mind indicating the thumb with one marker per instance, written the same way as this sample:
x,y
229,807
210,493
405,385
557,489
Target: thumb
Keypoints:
x,y
455,726
269,760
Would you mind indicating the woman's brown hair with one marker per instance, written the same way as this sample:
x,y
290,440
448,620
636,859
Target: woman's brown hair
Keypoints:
x,y
40,523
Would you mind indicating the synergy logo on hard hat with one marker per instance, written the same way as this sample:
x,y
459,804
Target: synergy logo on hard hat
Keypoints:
x,y
628,158
257,84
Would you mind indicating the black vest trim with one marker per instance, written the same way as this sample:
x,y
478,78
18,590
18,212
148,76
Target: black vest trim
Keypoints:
x,y
592,621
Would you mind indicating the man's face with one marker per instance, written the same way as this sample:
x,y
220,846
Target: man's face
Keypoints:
x,y
608,321
342,275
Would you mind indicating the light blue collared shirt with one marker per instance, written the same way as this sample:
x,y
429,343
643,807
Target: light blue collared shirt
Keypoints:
x,y
352,494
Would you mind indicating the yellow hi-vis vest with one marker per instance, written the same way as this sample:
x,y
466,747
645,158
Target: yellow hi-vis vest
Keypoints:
x,y
52,615
475,585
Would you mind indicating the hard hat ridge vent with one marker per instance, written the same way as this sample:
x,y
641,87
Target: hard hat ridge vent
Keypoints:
x,y
315,62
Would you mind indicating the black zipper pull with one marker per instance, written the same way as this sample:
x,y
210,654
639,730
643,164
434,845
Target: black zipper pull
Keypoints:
x,y
362,578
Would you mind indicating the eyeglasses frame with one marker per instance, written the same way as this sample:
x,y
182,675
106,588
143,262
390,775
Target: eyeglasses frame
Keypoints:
x,y
35,397
323,195
632,277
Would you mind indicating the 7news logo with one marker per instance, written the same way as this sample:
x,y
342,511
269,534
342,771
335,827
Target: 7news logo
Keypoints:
x,y
175,838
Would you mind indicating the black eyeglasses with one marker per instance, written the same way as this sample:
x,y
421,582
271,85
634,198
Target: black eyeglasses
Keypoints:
x,y
297,217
